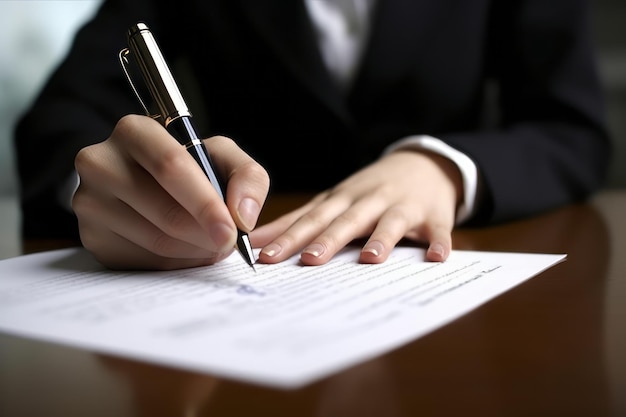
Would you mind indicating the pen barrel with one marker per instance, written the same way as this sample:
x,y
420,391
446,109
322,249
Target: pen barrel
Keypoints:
x,y
184,132
156,73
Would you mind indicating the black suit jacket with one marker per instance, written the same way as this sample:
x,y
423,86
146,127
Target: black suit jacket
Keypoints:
x,y
511,83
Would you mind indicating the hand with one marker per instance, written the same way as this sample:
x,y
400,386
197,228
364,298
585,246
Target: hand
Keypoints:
x,y
405,194
144,203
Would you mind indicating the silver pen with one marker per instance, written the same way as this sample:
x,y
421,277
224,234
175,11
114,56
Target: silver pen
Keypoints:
x,y
172,110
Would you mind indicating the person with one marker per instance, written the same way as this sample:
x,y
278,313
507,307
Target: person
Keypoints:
x,y
406,118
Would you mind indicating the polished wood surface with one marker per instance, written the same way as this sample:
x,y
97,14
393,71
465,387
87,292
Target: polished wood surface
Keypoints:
x,y
553,346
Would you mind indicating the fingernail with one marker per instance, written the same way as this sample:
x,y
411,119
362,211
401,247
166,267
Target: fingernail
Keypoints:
x,y
223,236
436,248
374,247
248,212
272,249
315,249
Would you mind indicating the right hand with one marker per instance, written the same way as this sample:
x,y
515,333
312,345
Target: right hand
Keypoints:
x,y
144,203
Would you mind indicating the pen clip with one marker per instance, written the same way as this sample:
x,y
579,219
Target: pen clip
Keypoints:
x,y
125,62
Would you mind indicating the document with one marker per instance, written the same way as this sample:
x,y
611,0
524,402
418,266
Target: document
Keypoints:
x,y
285,326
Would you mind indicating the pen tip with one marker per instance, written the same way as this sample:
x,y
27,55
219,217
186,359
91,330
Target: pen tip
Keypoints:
x,y
243,244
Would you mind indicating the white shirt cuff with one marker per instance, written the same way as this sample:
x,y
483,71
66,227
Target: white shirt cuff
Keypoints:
x,y
467,167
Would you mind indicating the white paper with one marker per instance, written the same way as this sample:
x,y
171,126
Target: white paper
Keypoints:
x,y
285,326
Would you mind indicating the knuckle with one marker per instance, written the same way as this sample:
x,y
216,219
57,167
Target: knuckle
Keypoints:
x,y
256,174
93,164
83,204
314,219
210,211
347,219
83,157
172,164
86,160
176,219
398,215
127,124
220,142
163,245
287,240
328,241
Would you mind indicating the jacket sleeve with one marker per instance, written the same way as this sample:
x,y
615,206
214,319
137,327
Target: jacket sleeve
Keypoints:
x,y
550,145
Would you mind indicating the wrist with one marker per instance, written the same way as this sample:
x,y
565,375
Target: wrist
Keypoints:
x,y
466,167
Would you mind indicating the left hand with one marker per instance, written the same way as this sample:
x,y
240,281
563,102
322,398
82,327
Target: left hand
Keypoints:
x,y
405,194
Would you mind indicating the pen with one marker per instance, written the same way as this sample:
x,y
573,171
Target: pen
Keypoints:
x,y
172,110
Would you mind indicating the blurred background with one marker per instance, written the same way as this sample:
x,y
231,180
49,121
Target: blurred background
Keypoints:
x,y
35,35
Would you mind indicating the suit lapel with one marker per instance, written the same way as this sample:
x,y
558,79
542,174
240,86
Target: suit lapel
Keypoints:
x,y
400,29
287,28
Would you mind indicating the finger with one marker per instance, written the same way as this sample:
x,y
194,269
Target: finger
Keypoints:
x,y
117,218
121,253
263,235
437,231
178,173
391,227
314,219
355,222
440,238
247,181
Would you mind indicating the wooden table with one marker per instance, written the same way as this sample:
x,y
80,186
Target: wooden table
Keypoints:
x,y
554,346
